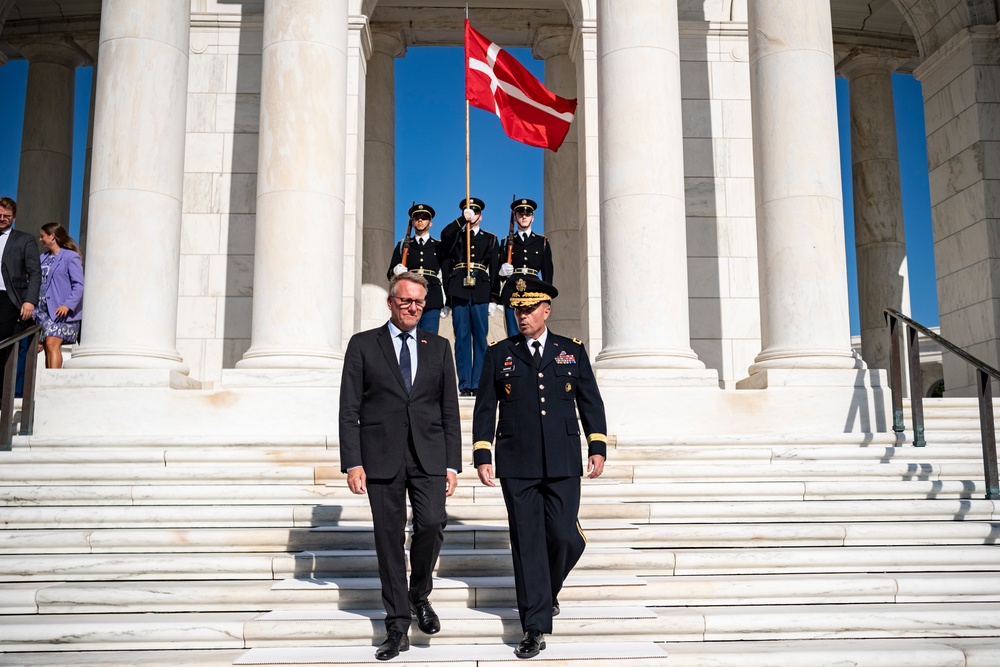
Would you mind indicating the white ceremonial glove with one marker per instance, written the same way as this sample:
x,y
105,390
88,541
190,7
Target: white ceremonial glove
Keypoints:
x,y
492,309
445,312
398,269
469,214
506,270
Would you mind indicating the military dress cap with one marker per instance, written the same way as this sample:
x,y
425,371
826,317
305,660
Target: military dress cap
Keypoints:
x,y
527,290
475,203
518,204
421,208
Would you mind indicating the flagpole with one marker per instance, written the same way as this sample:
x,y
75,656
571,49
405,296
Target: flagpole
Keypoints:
x,y
469,280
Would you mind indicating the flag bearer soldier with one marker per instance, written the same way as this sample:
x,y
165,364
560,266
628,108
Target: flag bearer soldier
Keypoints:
x,y
419,254
539,380
468,272
523,252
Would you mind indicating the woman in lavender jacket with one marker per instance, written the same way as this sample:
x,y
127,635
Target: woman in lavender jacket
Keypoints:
x,y
60,304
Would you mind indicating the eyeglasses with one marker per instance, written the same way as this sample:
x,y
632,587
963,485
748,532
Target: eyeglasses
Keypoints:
x,y
403,302
421,216
524,211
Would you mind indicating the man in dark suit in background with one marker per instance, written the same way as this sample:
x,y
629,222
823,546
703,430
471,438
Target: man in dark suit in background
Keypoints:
x,y
21,274
399,433
539,379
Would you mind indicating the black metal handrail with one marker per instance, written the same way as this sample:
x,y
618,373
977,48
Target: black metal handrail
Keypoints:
x,y
27,394
984,390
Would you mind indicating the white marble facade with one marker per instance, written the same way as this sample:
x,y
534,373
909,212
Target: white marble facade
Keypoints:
x,y
732,144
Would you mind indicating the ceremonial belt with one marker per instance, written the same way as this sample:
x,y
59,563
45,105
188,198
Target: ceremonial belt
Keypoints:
x,y
481,267
530,272
424,272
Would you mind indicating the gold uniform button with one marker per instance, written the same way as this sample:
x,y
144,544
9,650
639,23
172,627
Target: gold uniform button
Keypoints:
x,y
541,386
540,375
542,399
543,413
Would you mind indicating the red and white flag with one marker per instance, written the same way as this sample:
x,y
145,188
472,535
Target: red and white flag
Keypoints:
x,y
497,82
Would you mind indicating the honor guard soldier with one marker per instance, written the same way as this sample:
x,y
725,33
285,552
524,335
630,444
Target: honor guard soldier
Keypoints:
x,y
523,253
468,272
539,380
419,253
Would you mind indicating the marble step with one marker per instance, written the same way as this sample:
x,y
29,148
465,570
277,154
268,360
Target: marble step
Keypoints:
x,y
600,490
495,536
596,590
220,566
493,510
939,652
27,474
348,512
304,628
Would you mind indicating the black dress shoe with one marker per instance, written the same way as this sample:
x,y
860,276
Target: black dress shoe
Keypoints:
x,y
465,392
427,620
555,607
529,647
395,641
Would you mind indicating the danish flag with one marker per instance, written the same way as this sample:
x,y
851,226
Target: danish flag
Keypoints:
x,y
495,81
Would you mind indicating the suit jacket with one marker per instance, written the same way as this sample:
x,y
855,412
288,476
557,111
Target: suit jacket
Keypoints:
x,y
538,434
485,251
423,260
377,417
65,285
21,270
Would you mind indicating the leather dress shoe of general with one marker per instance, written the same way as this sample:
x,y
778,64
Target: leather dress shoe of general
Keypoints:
x,y
427,620
395,641
555,607
531,645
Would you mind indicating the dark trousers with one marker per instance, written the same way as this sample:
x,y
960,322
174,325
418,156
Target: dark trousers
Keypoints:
x,y
544,551
10,323
511,320
472,324
387,498
430,321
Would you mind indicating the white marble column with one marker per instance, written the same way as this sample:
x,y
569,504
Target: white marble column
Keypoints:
x,y
299,242
879,238
800,219
644,251
561,177
45,173
380,172
136,187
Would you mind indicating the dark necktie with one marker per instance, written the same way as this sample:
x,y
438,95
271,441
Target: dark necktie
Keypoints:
x,y
404,361
524,238
536,356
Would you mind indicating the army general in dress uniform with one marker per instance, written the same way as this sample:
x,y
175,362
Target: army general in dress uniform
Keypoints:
x,y
468,291
530,254
422,259
539,380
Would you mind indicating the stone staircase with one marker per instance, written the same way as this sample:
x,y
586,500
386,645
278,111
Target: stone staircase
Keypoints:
x,y
710,551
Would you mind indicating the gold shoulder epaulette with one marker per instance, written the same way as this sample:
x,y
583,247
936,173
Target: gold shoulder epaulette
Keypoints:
x,y
578,341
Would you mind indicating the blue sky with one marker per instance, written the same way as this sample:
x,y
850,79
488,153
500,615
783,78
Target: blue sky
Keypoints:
x,y
430,157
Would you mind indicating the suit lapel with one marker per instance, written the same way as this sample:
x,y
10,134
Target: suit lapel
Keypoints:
x,y
389,352
550,351
422,346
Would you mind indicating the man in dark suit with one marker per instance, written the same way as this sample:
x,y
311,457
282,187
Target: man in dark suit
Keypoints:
x,y
523,253
421,257
468,275
539,380
399,433
21,273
